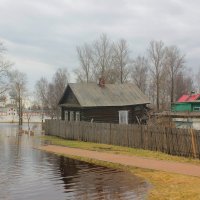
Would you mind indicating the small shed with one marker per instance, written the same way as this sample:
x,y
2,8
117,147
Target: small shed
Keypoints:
x,y
106,103
190,103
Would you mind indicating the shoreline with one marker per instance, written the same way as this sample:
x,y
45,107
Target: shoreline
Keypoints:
x,y
164,185
126,160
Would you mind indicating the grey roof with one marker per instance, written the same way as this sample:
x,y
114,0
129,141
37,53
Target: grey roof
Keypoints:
x,y
92,95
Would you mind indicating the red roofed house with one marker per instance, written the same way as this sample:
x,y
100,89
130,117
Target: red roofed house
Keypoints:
x,y
189,98
189,103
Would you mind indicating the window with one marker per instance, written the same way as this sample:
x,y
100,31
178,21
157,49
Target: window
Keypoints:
x,y
123,117
196,108
71,115
66,116
77,116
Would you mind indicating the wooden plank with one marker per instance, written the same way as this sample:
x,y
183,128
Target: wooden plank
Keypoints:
x,y
165,139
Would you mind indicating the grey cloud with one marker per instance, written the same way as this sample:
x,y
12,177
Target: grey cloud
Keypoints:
x,y
48,32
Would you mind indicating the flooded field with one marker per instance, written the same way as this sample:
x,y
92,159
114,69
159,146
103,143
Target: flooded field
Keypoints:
x,y
29,174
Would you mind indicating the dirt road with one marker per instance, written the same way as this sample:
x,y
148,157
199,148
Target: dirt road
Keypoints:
x,y
147,163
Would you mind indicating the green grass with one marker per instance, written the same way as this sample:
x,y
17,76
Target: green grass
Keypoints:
x,y
118,150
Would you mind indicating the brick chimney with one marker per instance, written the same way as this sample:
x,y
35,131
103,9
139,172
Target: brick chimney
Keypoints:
x,y
102,82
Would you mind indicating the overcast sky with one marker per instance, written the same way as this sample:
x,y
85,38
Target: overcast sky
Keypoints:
x,y
42,35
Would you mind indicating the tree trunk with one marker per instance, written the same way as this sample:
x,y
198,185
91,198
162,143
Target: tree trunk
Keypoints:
x,y
20,111
172,90
158,95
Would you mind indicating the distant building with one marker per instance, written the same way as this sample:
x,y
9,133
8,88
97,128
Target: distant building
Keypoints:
x,y
107,103
12,111
190,103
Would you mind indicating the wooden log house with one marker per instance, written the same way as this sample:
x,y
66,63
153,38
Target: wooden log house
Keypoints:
x,y
106,103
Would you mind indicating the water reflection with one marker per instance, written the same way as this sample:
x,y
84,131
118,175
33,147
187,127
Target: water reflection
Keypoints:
x,y
87,181
27,173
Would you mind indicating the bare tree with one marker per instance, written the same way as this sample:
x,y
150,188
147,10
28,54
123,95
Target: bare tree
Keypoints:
x,y
151,91
41,88
59,83
85,71
28,114
139,72
60,80
103,59
112,75
111,60
165,90
4,70
197,81
49,94
174,63
102,56
41,91
156,53
184,83
121,60
18,82
53,108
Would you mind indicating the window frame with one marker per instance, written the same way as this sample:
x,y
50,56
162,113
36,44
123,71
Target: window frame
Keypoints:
x,y
123,116
66,113
196,108
71,115
78,116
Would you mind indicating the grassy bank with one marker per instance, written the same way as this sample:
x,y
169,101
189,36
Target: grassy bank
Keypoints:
x,y
164,185
118,150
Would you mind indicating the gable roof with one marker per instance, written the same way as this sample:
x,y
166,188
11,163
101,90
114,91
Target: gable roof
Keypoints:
x,y
92,95
189,98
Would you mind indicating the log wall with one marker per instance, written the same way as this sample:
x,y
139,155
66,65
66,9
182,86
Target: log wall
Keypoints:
x,y
107,114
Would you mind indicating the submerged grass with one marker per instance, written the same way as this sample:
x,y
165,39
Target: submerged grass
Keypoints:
x,y
165,185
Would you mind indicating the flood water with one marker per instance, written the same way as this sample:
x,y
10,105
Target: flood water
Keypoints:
x,y
30,174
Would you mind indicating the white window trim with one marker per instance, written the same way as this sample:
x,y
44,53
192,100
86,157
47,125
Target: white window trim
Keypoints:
x,y
71,113
123,117
78,116
66,117
196,108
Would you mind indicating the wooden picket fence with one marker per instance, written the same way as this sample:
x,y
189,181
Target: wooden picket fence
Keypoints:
x,y
174,141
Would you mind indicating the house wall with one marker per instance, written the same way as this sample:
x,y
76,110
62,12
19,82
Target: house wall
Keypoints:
x,y
106,114
187,123
186,106
181,107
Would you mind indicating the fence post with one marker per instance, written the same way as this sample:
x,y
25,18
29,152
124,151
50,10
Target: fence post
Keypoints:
x,y
110,133
193,142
